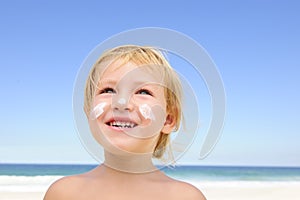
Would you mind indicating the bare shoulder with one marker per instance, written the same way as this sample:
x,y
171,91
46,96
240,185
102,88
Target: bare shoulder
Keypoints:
x,y
184,190
65,188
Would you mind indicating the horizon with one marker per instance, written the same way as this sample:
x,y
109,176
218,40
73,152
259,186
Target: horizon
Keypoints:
x,y
179,165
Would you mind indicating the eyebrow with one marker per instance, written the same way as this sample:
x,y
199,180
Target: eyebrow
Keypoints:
x,y
107,81
114,82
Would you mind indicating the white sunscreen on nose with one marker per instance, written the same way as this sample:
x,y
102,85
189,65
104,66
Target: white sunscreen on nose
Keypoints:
x,y
122,101
97,111
146,111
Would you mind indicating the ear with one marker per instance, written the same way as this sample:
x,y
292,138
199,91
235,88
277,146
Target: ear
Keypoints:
x,y
169,124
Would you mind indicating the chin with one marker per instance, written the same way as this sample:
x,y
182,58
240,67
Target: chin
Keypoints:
x,y
119,142
127,147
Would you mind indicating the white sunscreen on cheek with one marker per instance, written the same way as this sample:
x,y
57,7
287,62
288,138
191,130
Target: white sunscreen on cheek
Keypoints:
x,y
97,111
146,111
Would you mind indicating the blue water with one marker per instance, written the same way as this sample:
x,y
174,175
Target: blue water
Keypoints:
x,y
197,173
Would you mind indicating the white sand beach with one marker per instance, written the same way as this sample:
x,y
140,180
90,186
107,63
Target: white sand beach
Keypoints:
x,y
34,188
251,190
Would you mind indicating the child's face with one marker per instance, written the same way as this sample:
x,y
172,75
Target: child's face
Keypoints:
x,y
134,109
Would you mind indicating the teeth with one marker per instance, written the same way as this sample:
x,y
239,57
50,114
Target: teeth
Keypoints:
x,y
122,124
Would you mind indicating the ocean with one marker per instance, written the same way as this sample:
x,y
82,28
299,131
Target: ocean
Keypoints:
x,y
38,177
205,173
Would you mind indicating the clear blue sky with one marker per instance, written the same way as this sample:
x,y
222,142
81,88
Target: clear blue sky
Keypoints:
x,y
255,45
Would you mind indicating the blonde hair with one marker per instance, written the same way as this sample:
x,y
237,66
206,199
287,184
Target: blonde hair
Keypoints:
x,y
141,56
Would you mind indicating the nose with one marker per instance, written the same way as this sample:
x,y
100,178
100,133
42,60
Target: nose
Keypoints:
x,y
122,104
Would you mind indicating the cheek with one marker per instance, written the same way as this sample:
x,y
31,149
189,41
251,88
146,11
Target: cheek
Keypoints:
x,y
98,107
146,112
97,110
154,118
151,108
102,98
157,113
151,101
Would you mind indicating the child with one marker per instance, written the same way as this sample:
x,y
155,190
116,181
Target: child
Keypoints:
x,y
133,103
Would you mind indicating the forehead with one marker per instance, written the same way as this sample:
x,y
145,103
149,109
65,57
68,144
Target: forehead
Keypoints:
x,y
120,71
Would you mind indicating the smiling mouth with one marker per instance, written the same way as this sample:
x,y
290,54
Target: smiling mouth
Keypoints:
x,y
121,124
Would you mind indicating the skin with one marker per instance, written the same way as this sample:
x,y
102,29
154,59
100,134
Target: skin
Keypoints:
x,y
127,172
137,88
106,183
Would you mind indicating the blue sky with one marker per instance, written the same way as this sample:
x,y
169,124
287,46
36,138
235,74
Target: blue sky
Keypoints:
x,y
255,45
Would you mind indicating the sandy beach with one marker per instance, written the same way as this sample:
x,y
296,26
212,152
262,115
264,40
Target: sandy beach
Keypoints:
x,y
251,190
213,190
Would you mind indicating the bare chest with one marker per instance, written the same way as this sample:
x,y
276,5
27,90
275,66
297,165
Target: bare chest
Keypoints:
x,y
124,192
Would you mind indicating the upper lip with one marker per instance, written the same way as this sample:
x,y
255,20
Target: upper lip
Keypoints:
x,y
120,119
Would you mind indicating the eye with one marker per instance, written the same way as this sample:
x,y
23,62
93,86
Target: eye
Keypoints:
x,y
107,91
144,92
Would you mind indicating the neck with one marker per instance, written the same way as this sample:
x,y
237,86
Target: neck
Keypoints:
x,y
131,163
